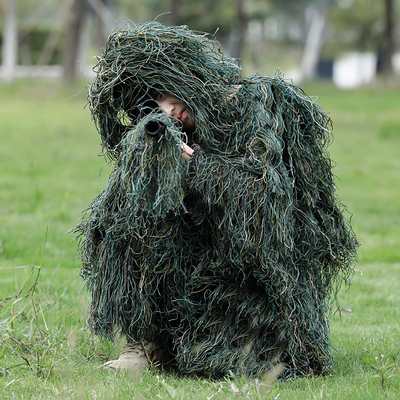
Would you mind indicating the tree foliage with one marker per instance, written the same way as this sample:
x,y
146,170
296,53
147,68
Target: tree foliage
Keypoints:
x,y
203,15
357,24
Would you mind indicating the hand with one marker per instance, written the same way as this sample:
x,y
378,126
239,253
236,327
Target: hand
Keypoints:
x,y
187,151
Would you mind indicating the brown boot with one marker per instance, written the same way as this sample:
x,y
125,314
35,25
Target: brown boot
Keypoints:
x,y
133,357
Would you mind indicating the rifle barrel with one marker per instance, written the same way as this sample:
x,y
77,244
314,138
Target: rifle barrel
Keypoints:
x,y
154,127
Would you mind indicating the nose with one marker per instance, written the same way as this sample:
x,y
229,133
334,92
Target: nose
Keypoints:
x,y
166,105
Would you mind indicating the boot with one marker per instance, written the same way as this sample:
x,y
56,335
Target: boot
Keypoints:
x,y
133,357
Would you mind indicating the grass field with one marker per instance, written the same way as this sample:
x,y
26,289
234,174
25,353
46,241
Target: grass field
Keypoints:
x,y
50,173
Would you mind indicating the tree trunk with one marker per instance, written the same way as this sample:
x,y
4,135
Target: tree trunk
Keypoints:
x,y
242,26
71,49
10,34
55,32
174,15
104,20
313,43
388,39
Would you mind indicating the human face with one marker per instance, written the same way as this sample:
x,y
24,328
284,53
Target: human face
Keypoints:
x,y
175,107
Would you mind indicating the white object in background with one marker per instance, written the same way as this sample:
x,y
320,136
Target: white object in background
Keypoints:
x,y
354,70
396,63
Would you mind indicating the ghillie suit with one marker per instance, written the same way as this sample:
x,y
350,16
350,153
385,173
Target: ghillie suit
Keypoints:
x,y
231,260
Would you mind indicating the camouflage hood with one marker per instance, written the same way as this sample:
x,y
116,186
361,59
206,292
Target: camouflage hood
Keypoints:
x,y
142,60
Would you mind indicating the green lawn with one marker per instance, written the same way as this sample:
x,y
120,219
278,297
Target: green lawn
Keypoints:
x,y
50,173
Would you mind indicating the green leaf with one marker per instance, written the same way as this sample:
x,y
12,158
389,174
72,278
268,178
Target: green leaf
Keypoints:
x,y
2,351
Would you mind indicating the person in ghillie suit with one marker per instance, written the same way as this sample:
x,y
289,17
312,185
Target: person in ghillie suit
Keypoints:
x,y
219,243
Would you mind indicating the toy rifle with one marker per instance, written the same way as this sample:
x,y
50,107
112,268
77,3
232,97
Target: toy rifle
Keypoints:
x,y
155,128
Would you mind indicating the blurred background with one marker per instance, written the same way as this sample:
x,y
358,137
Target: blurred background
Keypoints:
x,y
345,51
349,42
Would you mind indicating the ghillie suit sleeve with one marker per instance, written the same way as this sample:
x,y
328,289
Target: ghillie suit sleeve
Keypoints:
x,y
232,260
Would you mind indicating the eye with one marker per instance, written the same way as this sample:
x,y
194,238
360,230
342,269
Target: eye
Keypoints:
x,y
159,97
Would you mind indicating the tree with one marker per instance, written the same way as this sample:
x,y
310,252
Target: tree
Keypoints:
x,y
366,25
175,15
55,33
72,41
357,25
388,44
241,28
222,17
10,40
312,47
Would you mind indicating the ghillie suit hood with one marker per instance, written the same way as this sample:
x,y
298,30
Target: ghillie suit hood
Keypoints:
x,y
152,58
230,261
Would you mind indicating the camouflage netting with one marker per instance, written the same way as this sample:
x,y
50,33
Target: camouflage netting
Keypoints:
x,y
230,261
